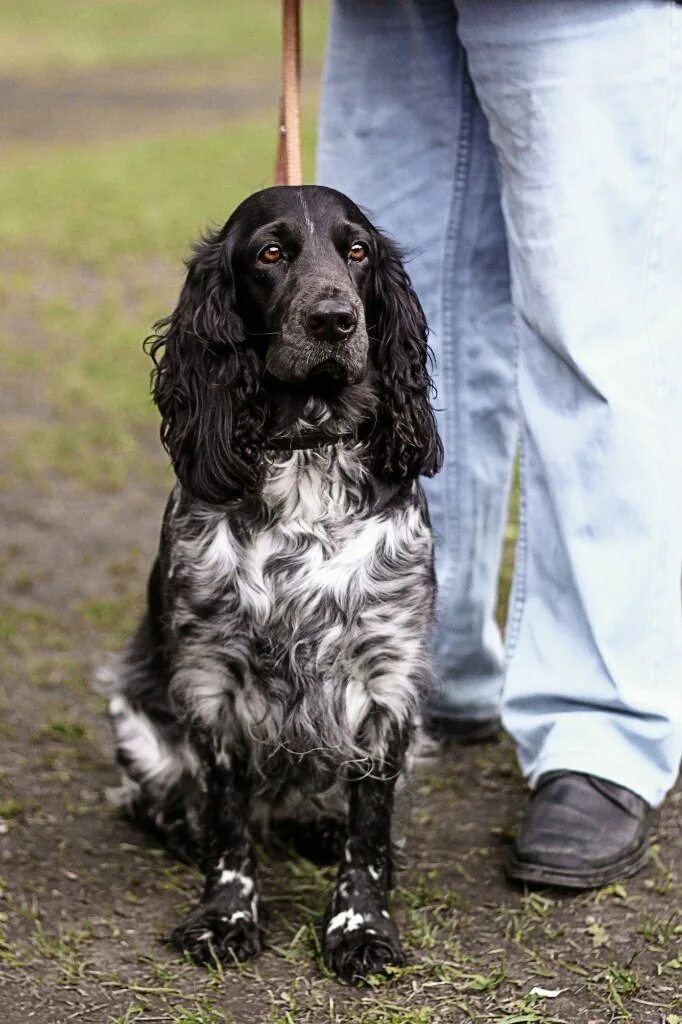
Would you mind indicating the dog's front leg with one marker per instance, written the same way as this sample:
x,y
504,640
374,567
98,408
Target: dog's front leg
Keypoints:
x,y
360,937
224,926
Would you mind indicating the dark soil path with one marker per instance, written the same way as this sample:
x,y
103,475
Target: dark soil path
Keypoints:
x,y
120,102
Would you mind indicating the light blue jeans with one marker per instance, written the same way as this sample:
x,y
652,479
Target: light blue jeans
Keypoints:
x,y
529,154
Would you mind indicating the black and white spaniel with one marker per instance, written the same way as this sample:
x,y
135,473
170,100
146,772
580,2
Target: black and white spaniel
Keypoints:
x,y
274,680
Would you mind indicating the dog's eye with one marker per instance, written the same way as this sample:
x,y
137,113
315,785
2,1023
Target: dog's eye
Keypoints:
x,y
270,254
357,252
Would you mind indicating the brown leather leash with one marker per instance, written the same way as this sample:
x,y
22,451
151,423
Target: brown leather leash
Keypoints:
x,y
288,169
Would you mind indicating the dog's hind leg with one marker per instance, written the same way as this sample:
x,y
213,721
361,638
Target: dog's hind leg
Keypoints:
x,y
162,787
360,938
224,925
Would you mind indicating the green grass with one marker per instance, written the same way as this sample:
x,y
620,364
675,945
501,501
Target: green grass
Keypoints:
x,y
30,630
43,34
110,264
10,809
65,730
91,205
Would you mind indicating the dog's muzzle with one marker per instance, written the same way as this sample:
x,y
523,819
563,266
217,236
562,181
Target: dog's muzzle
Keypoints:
x,y
332,321
325,344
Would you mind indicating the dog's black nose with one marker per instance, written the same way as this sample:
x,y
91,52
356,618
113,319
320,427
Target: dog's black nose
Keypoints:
x,y
332,320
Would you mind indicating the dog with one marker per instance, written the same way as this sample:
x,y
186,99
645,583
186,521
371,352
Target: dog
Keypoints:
x,y
273,683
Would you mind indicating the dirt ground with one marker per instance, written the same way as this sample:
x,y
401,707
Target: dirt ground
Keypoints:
x,y
120,102
86,901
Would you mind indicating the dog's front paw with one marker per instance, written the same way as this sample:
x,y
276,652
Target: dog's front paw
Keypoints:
x,y
212,933
357,945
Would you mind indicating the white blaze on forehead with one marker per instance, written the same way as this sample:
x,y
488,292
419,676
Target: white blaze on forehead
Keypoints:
x,y
306,212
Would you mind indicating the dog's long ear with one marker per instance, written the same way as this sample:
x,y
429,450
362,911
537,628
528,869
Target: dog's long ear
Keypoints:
x,y
405,440
206,382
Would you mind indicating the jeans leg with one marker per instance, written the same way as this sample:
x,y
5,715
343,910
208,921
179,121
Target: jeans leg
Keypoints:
x,y
402,133
583,102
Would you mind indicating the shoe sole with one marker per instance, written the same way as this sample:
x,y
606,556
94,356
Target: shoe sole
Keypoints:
x,y
538,874
462,733
478,732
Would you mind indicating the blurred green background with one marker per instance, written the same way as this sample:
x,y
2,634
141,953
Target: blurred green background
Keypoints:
x,y
128,126
48,34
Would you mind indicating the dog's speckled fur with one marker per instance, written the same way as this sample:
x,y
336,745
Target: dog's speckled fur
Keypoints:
x,y
274,681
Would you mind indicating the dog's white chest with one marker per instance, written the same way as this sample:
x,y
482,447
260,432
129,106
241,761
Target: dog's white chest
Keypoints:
x,y
316,551
314,610
316,560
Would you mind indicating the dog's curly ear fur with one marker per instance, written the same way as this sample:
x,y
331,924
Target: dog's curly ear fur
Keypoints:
x,y
205,382
405,440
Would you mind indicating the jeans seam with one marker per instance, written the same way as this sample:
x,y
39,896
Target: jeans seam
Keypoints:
x,y
453,429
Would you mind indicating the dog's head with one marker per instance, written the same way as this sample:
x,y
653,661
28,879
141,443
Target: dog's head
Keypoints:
x,y
297,295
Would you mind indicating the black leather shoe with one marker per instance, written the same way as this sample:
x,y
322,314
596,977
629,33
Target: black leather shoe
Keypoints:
x,y
579,832
465,731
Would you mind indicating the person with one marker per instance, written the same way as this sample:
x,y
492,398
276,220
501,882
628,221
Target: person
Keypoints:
x,y
529,155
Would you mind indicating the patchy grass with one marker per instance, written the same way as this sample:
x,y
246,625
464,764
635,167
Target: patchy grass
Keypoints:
x,y
10,809
64,729
114,618
471,972
28,629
